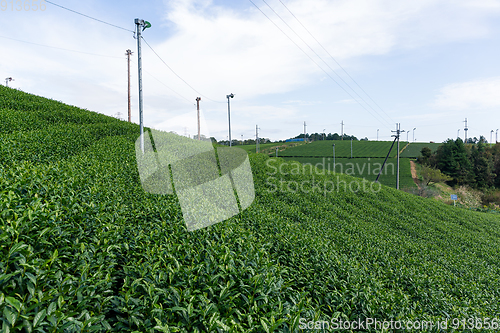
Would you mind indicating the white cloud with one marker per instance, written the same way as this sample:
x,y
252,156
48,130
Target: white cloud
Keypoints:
x,y
235,49
477,94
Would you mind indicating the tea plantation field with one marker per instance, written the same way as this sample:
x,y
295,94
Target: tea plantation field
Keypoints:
x,y
83,248
363,149
367,168
413,150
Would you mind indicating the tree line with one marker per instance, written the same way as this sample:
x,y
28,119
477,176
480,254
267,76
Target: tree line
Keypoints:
x,y
329,136
476,164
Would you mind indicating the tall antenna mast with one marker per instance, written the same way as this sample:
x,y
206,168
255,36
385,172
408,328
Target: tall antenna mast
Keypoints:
x,y
465,129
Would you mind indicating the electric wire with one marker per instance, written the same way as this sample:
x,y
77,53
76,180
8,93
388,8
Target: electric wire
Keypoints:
x,y
183,97
347,92
116,26
165,85
321,45
170,68
90,17
347,84
60,48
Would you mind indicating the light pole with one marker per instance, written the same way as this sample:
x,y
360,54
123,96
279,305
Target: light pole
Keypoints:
x,y
458,133
496,136
7,80
229,115
141,25
491,136
377,134
407,135
242,139
324,133
414,133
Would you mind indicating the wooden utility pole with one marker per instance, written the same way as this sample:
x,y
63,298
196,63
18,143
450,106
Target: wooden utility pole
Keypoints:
x,y
128,54
198,99
398,132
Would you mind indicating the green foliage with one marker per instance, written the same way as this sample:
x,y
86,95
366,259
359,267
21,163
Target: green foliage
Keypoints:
x,y
84,248
452,160
431,175
476,165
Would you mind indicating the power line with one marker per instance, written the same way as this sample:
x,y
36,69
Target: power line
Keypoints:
x,y
183,97
162,83
347,92
170,68
90,17
60,48
303,41
335,60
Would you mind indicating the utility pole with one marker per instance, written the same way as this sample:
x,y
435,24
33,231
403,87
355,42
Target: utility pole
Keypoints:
x,y
398,132
305,131
414,133
491,136
465,129
458,133
128,54
324,129
140,25
496,136
229,115
377,134
256,138
7,80
198,99
342,130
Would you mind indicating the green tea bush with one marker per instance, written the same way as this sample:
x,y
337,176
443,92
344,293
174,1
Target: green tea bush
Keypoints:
x,y
84,248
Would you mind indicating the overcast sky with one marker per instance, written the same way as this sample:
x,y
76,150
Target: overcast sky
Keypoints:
x,y
427,64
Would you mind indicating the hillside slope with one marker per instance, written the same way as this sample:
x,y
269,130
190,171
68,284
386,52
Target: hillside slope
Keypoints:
x,y
83,247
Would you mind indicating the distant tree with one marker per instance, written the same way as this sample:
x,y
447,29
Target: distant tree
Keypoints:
x,y
452,160
483,165
433,176
426,153
348,137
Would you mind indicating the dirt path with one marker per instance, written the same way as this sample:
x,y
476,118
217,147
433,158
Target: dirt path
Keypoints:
x,y
414,174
